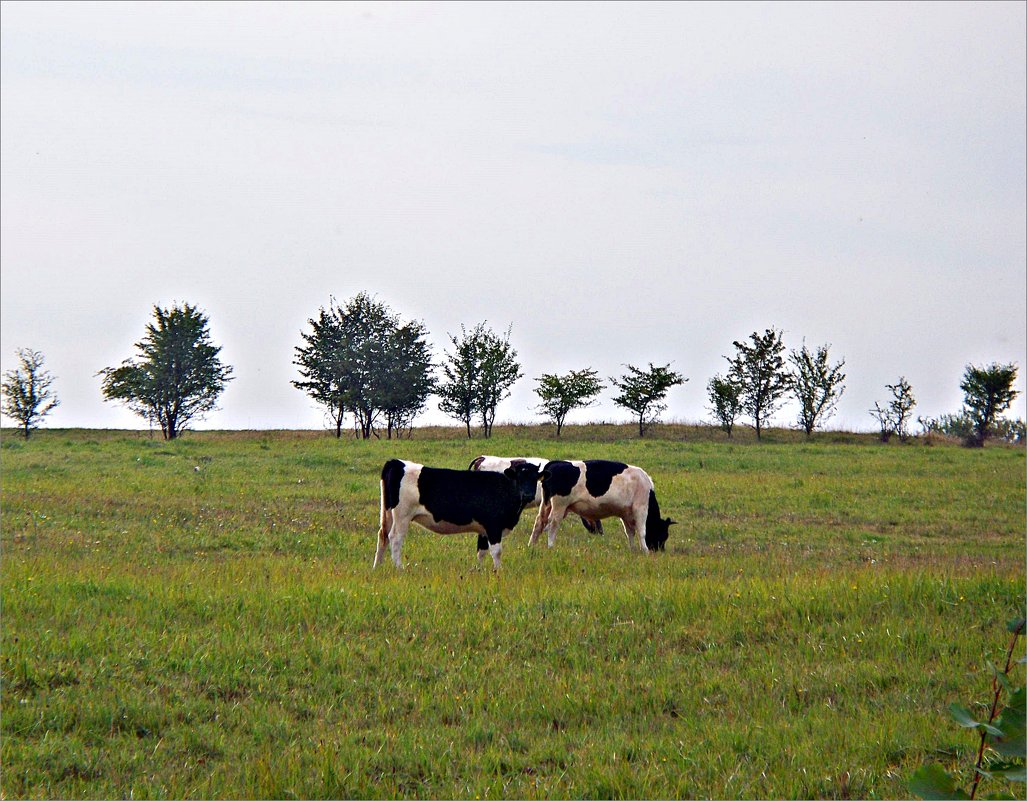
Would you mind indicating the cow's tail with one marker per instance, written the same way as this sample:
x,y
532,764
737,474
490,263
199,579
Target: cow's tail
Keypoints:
x,y
476,463
392,474
386,522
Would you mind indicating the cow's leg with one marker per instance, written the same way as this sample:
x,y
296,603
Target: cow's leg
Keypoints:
x,y
541,519
483,546
557,513
495,541
383,535
396,537
641,512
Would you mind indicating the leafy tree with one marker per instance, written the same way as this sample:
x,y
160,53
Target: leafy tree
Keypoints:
x,y
478,375
458,390
987,393
321,366
407,386
817,385
177,375
499,370
560,394
642,392
725,401
28,396
359,359
894,418
759,369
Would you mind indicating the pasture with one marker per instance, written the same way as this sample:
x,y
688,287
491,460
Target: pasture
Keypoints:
x,y
200,619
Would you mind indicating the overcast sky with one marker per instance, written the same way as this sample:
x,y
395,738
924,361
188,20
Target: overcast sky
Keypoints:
x,y
621,183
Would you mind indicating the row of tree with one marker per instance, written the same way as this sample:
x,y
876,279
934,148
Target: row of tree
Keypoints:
x,y
361,359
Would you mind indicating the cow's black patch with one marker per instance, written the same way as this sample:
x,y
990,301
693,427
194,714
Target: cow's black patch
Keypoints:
x,y
558,478
392,475
462,497
599,475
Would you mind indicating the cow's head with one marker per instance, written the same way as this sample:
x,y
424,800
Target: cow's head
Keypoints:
x,y
657,529
525,476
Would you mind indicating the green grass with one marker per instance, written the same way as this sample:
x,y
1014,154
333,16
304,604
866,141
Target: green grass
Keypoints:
x,y
171,631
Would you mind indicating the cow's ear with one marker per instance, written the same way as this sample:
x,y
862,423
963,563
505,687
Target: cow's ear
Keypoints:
x,y
671,522
510,473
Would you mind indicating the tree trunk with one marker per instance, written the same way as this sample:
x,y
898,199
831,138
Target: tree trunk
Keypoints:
x,y
28,430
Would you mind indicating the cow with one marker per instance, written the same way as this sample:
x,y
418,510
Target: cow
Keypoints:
x,y
596,489
452,501
498,464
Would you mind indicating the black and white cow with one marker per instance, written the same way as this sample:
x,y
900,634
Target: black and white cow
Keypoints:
x,y
499,464
596,489
452,501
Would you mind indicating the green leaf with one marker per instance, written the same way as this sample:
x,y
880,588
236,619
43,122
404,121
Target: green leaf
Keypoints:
x,y
994,731
1003,679
1018,701
1012,723
932,782
1009,770
962,716
1016,625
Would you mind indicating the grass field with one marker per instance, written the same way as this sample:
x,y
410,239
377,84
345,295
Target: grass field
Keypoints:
x,y
200,619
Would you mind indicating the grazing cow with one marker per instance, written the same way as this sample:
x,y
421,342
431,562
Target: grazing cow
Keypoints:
x,y
498,464
596,489
452,501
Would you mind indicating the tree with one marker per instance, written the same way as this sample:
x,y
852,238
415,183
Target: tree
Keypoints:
x,y
817,384
28,397
410,381
478,375
562,394
894,418
759,369
458,390
359,359
987,393
177,376
499,370
725,401
320,365
642,392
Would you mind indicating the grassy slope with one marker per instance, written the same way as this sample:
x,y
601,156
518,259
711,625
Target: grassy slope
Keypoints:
x,y
174,631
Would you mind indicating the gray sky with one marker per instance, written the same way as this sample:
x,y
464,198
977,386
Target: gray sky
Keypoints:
x,y
623,183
